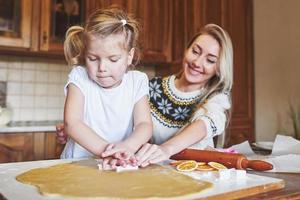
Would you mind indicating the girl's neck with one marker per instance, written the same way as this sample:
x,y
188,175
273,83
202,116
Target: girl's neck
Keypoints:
x,y
184,86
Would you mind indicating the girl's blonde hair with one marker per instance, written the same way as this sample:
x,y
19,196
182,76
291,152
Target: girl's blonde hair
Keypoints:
x,y
101,23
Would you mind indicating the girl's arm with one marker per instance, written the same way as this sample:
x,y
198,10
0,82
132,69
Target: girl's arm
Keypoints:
x,y
74,126
142,131
142,125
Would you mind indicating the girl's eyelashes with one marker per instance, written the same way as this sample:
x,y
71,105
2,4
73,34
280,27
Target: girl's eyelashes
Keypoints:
x,y
92,59
114,59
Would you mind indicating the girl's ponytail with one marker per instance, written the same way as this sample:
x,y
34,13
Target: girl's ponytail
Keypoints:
x,y
74,46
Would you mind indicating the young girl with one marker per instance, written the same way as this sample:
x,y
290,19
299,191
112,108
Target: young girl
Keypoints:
x,y
106,105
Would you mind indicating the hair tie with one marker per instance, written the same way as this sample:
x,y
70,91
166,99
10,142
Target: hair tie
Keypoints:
x,y
124,22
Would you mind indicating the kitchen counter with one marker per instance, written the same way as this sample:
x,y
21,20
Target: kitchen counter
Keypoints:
x,y
29,127
225,189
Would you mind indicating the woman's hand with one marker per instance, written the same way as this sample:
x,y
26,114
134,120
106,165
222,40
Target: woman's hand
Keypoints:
x,y
150,154
61,136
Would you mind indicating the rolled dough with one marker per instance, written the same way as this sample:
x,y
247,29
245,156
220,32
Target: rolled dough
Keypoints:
x,y
83,180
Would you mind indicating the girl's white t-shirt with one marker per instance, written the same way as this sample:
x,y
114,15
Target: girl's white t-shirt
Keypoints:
x,y
109,112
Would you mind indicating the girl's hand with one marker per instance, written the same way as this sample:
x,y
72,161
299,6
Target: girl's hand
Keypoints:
x,y
150,154
61,136
118,155
110,163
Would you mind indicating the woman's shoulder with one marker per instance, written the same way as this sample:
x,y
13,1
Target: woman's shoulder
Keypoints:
x,y
222,97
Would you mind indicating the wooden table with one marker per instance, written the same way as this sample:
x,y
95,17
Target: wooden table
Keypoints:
x,y
290,191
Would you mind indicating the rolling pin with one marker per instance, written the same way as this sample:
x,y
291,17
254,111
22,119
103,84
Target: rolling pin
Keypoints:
x,y
230,160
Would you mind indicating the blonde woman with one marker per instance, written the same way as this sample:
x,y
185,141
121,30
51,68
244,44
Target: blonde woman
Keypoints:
x,y
190,108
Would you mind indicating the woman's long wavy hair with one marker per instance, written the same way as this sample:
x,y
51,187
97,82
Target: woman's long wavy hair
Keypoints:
x,y
223,80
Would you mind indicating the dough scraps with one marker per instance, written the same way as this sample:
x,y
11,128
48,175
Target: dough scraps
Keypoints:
x,y
83,180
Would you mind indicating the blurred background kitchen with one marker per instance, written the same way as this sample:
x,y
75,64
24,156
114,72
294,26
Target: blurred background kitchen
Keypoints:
x,y
265,34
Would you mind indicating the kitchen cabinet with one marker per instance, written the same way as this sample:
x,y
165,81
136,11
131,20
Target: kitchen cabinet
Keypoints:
x,y
155,17
41,26
47,21
15,147
15,23
56,16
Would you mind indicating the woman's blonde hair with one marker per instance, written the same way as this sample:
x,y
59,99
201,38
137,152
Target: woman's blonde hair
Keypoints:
x,y
223,80
101,23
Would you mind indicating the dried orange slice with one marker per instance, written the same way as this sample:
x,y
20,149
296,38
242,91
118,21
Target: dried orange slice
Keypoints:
x,y
217,165
201,163
204,168
177,162
187,166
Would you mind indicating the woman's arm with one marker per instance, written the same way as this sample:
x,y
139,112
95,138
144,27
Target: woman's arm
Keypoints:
x,y
207,122
191,134
74,126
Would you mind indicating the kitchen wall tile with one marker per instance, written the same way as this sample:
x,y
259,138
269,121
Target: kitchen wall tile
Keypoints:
x,y
28,64
54,102
64,77
42,66
54,114
56,66
54,89
15,63
26,114
40,114
3,74
41,102
16,113
14,88
62,100
41,89
27,102
28,89
28,75
41,76
54,76
13,101
4,60
14,75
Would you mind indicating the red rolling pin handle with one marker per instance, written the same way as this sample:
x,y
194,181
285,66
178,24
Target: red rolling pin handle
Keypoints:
x,y
257,165
230,160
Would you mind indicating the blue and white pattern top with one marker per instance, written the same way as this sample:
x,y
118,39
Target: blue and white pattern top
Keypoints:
x,y
171,110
